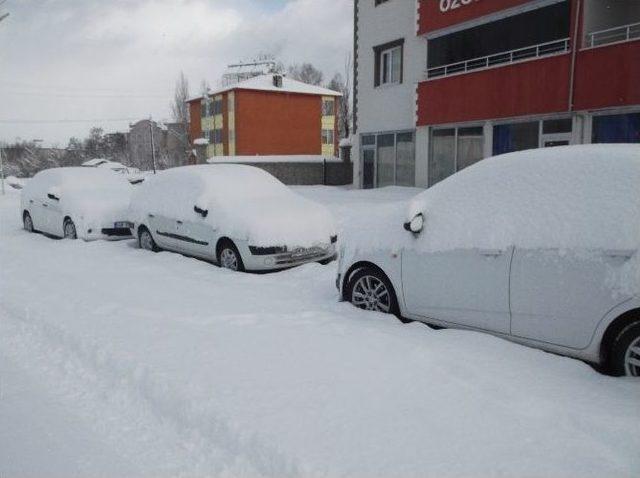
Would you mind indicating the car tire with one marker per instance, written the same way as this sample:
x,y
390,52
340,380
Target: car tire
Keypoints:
x,y
625,352
370,289
146,241
69,229
27,222
229,256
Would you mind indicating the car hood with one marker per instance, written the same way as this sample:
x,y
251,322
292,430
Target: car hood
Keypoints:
x,y
283,221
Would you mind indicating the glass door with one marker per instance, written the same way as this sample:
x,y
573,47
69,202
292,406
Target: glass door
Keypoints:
x,y
368,168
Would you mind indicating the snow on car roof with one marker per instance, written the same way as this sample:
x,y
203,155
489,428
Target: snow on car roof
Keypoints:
x,y
569,197
77,178
224,181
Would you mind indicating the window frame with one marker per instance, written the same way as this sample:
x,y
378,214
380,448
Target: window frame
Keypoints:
x,y
379,69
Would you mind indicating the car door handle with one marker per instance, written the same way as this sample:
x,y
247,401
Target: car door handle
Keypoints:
x,y
30,201
491,252
150,215
45,205
179,222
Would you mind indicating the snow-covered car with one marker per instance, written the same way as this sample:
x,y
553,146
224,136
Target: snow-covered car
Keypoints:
x,y
238,216
539,247
77,202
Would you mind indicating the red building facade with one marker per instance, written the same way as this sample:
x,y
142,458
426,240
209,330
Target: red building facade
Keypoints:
x,y
490,77
506,75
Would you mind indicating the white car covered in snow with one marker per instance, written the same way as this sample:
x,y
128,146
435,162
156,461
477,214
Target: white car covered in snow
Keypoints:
x,y
80,202
238,216
540,247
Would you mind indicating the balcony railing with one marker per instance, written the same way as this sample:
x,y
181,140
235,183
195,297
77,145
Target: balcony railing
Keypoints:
x,y
614,35
498,59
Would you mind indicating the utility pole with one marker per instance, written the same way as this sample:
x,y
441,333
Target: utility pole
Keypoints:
x,y
153,149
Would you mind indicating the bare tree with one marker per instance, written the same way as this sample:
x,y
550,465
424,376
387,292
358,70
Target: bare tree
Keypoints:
x,y
307,73
179,107
343,85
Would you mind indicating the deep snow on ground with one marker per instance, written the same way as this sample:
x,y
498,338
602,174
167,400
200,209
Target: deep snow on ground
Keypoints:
x,y
120,362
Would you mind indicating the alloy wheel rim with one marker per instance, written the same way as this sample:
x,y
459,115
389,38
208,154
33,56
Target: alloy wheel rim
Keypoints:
x,y
69,230
370,293
632,359
228,259
146,241
28,223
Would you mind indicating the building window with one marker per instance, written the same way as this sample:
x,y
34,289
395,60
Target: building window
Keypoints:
x,y
389,62
405,160
204,108
539,32
388,159
327,136
508,138
623,128
217,136
328,107
453,149
217,106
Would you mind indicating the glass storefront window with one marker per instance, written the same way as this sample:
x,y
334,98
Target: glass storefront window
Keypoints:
x,y
470,146
385,161
405,161
515,137
616,128
442,157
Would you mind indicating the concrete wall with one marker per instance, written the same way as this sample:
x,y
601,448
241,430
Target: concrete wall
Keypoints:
x,y
333,173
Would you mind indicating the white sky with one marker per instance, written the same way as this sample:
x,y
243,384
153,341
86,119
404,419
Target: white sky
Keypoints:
x,y
64,60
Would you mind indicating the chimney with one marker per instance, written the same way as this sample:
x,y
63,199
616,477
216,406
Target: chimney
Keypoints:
x,y
277,81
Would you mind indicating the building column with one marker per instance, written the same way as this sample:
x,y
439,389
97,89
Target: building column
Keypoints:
x,y
422,157
487,130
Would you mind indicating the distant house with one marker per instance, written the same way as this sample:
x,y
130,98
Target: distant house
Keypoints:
x,y
112,165
170,144
266,115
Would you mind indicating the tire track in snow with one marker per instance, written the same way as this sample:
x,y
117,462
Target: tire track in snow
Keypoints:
x,y
129,405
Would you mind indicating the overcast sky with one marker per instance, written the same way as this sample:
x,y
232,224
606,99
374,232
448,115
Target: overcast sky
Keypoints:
x,y
63,60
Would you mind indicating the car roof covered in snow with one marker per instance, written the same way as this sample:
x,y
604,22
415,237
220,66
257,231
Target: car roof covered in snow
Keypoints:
x,y
78,178
568,197
224,181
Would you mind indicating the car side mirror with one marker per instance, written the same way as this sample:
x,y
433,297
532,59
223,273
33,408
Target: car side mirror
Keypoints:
x,y
415,225
53,196
202,212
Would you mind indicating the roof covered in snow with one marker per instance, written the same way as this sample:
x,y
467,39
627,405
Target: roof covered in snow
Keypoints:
x,y
95,162
266,83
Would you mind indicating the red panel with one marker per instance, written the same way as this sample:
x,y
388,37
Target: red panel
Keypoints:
x,y
195,126
277,123
608,76
432,18
528,88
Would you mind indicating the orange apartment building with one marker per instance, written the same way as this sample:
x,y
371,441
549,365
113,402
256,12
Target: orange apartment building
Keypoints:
x,y
267,115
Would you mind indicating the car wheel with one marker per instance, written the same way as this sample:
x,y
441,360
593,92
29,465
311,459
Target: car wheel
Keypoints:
x,y
229,257
69,229
370,289
145,240
27,222
625,352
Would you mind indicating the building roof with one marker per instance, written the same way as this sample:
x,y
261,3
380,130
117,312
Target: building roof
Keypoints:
x,y
265,83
